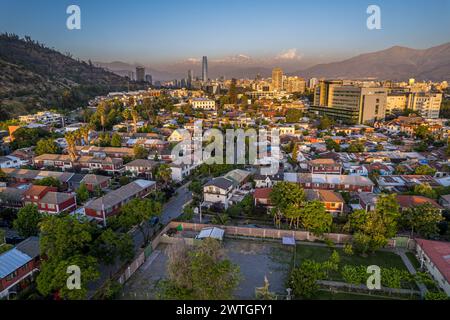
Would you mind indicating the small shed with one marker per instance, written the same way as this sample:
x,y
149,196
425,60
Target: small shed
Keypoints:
x,y
214,232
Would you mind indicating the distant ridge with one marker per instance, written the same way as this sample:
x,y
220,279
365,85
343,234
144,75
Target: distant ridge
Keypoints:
x,y
395,63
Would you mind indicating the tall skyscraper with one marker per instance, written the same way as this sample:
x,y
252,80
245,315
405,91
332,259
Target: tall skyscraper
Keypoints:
x,y
277,79
190,78
140,74
149,79
205,69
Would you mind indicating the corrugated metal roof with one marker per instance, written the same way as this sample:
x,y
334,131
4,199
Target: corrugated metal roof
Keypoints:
x,y
12,260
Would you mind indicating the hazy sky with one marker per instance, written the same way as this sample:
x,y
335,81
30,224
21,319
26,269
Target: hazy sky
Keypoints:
x,y
162,31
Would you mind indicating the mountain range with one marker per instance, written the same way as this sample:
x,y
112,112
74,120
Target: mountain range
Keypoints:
x,y
395,63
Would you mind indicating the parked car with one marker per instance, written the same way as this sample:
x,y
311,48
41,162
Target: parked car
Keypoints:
x,y
154,221
14,240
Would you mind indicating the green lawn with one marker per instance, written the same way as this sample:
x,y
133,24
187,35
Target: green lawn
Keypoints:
x,y
326,295
412,257
321,254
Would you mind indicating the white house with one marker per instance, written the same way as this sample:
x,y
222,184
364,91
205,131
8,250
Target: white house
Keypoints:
x,y
10,162
435,257
218,190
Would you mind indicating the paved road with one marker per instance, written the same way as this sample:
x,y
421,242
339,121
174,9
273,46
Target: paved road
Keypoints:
x,y
171,210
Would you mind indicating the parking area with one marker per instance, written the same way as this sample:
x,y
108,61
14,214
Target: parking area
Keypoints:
x,y
256,260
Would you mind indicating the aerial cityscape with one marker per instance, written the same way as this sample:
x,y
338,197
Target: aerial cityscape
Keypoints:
x,y
253,155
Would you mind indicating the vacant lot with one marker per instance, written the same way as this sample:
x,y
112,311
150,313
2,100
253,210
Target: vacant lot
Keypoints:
x,y
256,260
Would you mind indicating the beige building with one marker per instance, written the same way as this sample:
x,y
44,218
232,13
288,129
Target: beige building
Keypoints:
x,y
294,84
396,102
277,79
427,105
350,103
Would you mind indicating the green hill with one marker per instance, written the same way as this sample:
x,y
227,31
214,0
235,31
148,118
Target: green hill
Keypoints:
x,y
34,77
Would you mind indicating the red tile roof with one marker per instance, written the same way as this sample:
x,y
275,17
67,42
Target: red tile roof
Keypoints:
x,y
439,254
406,201
262,193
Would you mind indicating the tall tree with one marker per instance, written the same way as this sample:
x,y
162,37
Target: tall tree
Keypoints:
x,y
44,146
138,212
201,273
27,222
315,218
422,219
110,246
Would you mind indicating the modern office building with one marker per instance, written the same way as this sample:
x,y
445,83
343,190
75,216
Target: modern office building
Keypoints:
x,y
140,74
349,103
205,69
277,79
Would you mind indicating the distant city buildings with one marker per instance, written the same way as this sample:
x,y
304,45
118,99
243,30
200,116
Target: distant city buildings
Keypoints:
x,y
294,84
149,79
205,69
277,79
140,74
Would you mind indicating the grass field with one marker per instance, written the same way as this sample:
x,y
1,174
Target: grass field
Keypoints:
x,y
326,295
411,256
321,254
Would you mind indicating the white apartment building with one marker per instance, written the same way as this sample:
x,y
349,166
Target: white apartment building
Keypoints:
x,y
428,105
44,117
203,104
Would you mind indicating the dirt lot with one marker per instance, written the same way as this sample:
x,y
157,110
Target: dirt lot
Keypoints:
x,y
256,259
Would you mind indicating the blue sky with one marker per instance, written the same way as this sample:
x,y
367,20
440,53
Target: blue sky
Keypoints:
x,y
162,31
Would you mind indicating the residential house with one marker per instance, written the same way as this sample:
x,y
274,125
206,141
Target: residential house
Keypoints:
x,y
218,190
111,203
324,166
267,181
141,167
333,201
18,267
331,182
262,197
435,257
409,202
10,162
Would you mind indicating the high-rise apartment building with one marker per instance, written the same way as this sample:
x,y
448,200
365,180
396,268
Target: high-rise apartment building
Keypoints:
x,y
294,84
140,74
312,83
205,69
277,79
426,104
149,79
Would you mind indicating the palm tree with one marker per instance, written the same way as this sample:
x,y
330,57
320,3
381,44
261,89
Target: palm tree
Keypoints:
x,y
101,110
84,132
164,174
71,139
135,116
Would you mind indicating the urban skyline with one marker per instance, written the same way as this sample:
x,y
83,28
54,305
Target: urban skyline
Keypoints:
x,y
340,26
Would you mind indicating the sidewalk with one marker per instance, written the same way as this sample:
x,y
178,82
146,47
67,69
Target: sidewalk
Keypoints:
x,y
401,252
